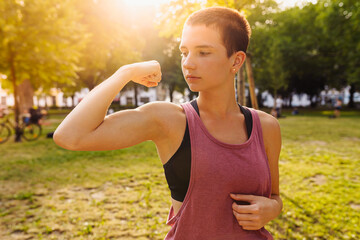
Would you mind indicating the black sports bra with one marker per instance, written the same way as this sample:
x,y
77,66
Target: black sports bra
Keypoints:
x,y
177,169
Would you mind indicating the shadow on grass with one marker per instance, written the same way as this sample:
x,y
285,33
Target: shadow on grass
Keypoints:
x,y
295,223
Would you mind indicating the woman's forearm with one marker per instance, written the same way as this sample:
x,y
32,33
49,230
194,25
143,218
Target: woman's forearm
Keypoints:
x,y
279,205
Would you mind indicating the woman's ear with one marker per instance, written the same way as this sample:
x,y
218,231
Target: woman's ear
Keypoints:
x,y
239,59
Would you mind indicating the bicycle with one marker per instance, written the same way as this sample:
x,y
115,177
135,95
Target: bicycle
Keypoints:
x,y
29,131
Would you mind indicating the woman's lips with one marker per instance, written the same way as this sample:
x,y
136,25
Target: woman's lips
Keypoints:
x,y
192,78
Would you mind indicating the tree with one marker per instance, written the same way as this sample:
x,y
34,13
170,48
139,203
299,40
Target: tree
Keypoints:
x,y
266,47
294,50
172,72
339,22
302,51
40,41
111,42
269,63
173,16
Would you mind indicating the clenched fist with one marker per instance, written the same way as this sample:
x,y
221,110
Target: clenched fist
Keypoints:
x,y
145,73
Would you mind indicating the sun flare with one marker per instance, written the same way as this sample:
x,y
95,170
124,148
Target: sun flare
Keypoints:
x,y
143,2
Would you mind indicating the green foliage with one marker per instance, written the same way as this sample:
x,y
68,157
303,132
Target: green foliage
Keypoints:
x,y
315,46
174,14
171,69
41,40
339,22
239,5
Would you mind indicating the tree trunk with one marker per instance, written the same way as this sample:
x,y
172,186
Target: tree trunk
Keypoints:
x,y
352,91
260,100
136,95
192,95
73,101
26,96
251,82
313,103
241,87
16,99
171,91
46,105
91,84
275,97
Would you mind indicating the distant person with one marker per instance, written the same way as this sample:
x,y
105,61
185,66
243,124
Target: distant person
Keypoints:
x,y
279,103
295,111
274,113
230,150
35,115
26,116
338,105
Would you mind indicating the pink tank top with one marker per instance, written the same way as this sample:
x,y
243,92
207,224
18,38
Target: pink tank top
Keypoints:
x,y
218,169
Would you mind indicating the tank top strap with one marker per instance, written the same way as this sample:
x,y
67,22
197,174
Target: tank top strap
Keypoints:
x,y
190,114
256,123
257,130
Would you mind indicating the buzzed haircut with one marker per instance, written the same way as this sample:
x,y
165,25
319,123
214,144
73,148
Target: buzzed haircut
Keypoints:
x,y
233,26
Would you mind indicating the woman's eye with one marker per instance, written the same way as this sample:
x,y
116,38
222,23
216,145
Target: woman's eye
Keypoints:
x,y
184,54
204,53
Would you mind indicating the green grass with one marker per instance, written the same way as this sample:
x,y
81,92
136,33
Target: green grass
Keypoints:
x,y
47,192
320,183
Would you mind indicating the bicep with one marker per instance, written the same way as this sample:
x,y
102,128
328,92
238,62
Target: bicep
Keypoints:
x,y
122,129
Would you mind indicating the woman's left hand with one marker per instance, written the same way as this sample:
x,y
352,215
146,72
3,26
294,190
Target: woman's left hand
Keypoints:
x,y
256,215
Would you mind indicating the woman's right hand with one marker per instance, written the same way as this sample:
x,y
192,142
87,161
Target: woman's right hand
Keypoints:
x,y
145,73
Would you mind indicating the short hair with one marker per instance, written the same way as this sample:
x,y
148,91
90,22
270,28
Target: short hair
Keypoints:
x,y
233,26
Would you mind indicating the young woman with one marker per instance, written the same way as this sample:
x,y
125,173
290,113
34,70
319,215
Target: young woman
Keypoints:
x,y
220,159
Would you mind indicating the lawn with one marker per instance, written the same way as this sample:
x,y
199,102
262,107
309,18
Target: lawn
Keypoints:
x,y
47,192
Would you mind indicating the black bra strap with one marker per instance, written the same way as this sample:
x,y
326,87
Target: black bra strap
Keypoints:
x,y
195,106
248,119
245,111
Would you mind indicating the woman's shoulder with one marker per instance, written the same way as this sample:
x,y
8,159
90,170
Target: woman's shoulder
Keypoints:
x,y
167,113
162,107
269,124
270,129
171,120
266,119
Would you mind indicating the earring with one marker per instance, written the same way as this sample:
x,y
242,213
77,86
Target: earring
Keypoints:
x,y
234,70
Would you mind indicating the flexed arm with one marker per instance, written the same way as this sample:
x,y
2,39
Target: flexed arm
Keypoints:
x,y
87,128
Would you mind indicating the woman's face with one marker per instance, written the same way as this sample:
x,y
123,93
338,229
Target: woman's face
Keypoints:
x,y
205,64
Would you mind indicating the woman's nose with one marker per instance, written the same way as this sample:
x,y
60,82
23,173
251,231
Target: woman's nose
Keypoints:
x,y
188,62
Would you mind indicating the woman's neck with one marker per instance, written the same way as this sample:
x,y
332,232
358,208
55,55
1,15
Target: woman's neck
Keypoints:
x,y
220,103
